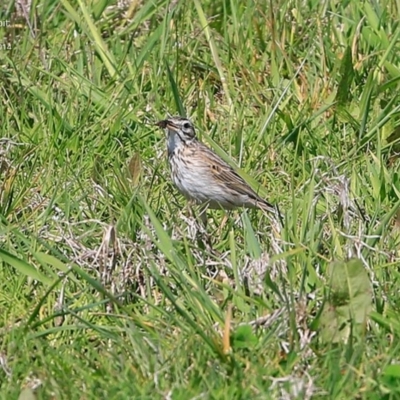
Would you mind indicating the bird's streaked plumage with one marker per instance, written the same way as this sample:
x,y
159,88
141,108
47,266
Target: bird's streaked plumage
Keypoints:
x,y
201,175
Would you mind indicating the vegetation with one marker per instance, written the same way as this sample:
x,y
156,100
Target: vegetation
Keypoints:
x,y
111,288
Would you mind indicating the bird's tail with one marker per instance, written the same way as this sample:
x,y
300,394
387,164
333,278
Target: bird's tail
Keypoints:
x,y
278,214
274,209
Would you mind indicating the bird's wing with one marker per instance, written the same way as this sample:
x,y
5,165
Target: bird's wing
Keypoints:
x,y
224,173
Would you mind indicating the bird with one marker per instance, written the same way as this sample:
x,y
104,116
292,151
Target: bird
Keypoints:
x,y
202,176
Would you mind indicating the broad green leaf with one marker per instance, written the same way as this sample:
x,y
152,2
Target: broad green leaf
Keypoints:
x,y
243,338
390,378
392,371
349,300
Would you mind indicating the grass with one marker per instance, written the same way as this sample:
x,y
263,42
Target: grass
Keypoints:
x,y
108,288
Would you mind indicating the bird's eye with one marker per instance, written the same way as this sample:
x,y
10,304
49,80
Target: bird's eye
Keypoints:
x,y
186,125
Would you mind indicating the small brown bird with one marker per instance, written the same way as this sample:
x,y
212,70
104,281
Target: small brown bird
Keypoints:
x,y
201,175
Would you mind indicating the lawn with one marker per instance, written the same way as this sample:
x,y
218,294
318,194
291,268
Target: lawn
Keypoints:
x,y
110,285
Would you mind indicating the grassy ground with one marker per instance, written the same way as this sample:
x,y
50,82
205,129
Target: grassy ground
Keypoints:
x,y
109,288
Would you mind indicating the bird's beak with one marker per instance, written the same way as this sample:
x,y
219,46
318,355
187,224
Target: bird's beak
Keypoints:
x,y
162,124
166,123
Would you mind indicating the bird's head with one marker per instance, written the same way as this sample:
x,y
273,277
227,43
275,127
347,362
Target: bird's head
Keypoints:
x,y
178,126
